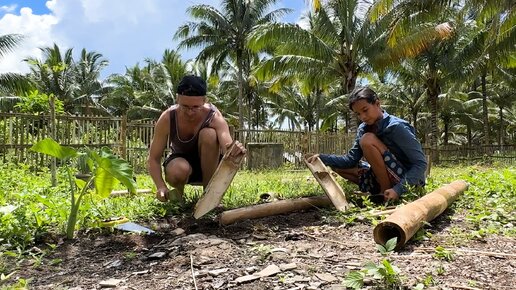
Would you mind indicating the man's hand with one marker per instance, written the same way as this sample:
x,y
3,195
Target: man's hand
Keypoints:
x,y
162,194
237,149
311,157
390,195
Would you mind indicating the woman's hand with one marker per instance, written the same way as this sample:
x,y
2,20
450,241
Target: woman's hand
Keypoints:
x,y
390,195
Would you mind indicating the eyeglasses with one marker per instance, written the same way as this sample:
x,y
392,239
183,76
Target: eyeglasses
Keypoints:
x,y
190,108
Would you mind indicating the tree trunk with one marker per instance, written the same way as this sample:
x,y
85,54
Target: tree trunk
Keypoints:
x,y
414,123
123,136
501,133
53,134
469,135
446,126
240,90
433,90
485,115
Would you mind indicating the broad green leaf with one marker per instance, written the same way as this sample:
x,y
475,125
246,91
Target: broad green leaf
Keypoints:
x,y
391,244
354,279
381,249
52,148
104,180
118,168
80,183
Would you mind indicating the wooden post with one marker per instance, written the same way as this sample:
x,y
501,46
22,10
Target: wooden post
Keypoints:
x,y
123,137
406,220
273,208
53,134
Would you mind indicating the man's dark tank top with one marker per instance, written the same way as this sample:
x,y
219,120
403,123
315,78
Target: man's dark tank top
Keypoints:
x,y
186,146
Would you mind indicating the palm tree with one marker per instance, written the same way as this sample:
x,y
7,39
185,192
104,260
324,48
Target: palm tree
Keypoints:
x,y
11,83
55,75
454,22
333,48
87,74
497,39
223,34
503,97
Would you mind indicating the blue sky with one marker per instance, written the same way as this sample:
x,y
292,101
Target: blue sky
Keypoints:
x,y
124,31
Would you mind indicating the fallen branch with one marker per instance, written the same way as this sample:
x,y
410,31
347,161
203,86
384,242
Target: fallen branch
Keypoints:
x,y
470,251
463,287
383,212
116,193
193,273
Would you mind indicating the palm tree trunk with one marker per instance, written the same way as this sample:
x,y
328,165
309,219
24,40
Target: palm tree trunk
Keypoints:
x,y
446,126
414,117
318,108
433,93
240,91
501,133
485,115
469,135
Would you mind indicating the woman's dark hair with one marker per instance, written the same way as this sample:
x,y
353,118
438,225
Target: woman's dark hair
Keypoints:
x,y
362,93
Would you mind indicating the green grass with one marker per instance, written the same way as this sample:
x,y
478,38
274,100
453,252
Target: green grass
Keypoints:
x,y
40,210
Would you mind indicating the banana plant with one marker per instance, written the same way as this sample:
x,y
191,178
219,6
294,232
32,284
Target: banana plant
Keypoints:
x,y
105,169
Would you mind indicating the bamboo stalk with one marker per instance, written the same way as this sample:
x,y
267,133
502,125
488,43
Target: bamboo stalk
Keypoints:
x,y
273,208
406,220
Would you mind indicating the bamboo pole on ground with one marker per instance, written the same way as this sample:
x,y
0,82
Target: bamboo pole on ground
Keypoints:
x,y
273,208
406,220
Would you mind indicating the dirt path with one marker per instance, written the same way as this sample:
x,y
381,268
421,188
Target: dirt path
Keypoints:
x,y
304,250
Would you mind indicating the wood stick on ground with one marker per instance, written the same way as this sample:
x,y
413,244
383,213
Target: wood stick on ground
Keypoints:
x,y
116,193
193,273
463,287
471,251
383,212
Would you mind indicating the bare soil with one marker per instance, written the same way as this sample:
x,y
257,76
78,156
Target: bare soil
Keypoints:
x,y
311,249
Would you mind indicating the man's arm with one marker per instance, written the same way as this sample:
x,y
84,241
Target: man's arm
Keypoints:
x,y
223,136
157,147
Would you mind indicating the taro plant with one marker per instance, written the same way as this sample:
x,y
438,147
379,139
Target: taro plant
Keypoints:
x,y
106,169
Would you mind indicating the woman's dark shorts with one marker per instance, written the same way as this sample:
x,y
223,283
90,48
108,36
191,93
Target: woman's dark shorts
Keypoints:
x,y
367,180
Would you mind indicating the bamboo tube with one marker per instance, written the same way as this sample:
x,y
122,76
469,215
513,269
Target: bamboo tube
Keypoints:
x,y
273,208
406,220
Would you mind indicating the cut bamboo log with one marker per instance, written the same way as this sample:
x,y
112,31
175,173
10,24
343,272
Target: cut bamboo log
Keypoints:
x,y
219,182
273,208
328,183
406,220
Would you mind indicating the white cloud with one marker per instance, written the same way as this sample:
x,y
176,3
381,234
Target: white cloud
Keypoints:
x,y
8,8
123,31
37,32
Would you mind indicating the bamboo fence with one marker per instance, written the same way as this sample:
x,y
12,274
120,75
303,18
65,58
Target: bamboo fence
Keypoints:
x,y
130,140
